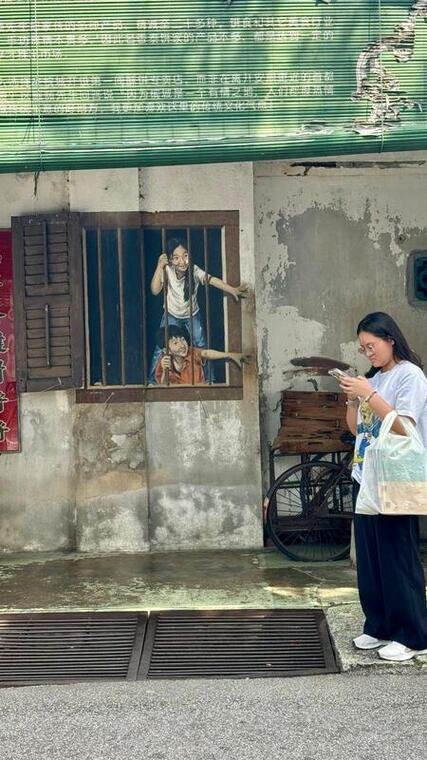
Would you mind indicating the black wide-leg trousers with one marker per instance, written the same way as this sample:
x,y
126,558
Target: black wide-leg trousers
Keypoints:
x,y
391,578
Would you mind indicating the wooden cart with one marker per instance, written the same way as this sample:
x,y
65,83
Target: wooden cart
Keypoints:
x,y
309,507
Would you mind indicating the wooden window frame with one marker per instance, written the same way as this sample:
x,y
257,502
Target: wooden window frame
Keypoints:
x,y
229,222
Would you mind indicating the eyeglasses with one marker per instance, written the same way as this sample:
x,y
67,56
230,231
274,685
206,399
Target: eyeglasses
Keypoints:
x,y
367,349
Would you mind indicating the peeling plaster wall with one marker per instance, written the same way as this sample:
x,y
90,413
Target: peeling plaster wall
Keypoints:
x,y
331,245
204,469
111,483
135,477
36,486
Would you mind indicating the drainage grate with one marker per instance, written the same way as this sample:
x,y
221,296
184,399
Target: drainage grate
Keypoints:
x,y
237,644
57,648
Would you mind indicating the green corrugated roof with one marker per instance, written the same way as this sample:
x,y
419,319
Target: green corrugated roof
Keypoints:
x,y
143,82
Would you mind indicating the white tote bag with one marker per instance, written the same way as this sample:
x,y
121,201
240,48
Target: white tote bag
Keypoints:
x,y
394,475
367,498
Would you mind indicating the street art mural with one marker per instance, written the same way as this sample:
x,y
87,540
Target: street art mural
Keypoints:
x,y
178,279
157,306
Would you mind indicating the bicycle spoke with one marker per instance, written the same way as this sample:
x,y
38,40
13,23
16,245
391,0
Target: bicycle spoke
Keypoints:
x,y
310,511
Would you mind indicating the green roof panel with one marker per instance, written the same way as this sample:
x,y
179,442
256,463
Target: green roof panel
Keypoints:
x,y
140,82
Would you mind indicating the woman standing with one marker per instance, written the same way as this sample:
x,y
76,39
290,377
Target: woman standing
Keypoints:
x,y
390,574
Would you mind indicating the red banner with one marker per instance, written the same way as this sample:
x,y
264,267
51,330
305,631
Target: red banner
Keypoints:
x,y
9,430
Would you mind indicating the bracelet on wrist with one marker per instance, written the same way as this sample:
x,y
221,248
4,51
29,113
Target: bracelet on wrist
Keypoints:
x,y
352,401
369,396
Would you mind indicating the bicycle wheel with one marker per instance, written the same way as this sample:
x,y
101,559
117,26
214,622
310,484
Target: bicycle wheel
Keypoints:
x,y
308,511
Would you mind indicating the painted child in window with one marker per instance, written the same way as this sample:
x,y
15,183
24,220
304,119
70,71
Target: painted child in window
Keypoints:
x,y
181,312
182,364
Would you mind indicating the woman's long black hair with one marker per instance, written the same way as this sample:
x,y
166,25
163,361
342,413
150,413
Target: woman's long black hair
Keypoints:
x,y
171,244
383,326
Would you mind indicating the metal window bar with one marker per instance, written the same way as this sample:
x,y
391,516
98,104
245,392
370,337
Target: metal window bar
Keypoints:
x,y
47,333
142,285
165,302
190,296
86,309
45,255
207,297
121,307
101,308
144,310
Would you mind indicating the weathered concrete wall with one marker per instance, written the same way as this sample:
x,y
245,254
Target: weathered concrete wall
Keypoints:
x,y
111,483
332,245
36,486
204,470
129,477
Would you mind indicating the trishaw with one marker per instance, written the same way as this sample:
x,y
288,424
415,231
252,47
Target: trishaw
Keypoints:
x,y
308,508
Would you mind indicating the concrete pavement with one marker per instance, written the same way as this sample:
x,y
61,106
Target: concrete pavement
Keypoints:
x,y
344,717
262,579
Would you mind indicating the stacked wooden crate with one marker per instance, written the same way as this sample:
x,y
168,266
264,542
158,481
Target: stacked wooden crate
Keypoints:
x,y
311,422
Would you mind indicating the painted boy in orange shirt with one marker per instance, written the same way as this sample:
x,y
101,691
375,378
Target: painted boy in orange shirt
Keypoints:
x,y
183,365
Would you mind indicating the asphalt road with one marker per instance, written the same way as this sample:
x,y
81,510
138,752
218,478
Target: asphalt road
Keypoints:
x,y
348,716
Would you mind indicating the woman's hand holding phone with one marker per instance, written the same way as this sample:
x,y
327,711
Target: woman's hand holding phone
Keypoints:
x,y
356,387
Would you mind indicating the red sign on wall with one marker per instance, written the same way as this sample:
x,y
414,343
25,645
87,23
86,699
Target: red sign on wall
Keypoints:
x,y
9,432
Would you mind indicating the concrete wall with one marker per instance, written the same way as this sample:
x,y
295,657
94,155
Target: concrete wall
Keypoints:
x,y
204,469
332,245
324,245
134,477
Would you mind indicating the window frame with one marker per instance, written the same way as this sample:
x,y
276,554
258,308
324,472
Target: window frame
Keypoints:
x,y
229,222
418,303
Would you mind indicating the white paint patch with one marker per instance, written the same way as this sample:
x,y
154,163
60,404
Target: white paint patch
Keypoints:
x,y
288,335
104,190
119,440
17,194
207,430
349,353
105,528
201,523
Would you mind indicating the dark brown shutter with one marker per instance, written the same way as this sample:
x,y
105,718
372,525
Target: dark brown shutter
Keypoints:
x,y
48,299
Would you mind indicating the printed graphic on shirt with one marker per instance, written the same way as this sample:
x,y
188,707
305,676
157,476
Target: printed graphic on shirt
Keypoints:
x,y
367,430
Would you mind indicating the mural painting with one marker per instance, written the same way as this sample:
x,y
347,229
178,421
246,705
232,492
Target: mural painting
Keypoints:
x,y
182,327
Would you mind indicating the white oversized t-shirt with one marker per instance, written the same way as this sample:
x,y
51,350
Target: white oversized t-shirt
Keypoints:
x,y
177,305
404,387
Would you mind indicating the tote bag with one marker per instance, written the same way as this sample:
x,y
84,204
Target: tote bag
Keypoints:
x,y
396,475
367,498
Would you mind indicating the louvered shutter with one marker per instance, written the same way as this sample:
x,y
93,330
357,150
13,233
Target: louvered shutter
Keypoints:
x,y
47,256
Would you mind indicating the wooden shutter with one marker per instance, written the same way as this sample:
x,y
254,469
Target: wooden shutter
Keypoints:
x,y
48,297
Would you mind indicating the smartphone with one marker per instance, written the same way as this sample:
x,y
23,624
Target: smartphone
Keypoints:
x,y
338,374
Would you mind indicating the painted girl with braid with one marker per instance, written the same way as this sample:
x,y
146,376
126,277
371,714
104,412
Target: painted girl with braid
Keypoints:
x,y
183,311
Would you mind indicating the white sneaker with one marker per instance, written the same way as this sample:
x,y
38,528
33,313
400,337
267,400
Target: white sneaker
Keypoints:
x,y
364,641
396,652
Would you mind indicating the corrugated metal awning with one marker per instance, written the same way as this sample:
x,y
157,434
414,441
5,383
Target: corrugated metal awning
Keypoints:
x,y
127,83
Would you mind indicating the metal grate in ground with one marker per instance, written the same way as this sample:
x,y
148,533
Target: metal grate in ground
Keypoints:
x,y
58,648
69,647
237,644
